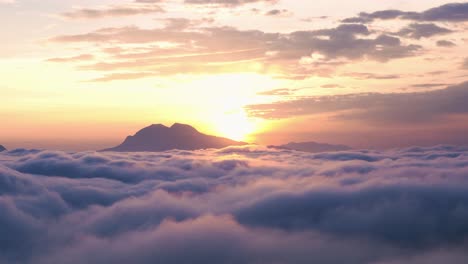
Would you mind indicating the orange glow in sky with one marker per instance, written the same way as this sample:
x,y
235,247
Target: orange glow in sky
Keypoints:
x,y
262,71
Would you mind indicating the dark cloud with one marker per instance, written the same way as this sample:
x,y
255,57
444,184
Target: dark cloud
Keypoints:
x,y
445,43
449,12
418,30
391,214
236,205
375,107
454,12
366,17
278,13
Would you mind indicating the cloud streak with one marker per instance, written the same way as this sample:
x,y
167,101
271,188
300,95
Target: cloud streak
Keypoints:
x,y
228,3
390,108
113,11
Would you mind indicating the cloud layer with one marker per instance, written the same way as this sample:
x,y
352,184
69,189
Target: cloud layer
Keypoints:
x,y
453,12
235,205
375,107
205,44
202,50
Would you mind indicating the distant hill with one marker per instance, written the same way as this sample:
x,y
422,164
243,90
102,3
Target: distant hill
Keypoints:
x,y
311,147
2,148
178,136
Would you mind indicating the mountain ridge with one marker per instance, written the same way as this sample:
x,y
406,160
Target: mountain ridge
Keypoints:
x,y
158,137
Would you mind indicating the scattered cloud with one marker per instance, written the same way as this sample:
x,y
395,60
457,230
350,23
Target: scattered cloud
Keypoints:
x,y
454,12
418,30
228,3
409,108
280,92
227,49
279,13
82,57
331,85
114,11
445,43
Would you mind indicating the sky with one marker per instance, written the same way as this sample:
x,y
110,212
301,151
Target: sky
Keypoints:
x,y
82,75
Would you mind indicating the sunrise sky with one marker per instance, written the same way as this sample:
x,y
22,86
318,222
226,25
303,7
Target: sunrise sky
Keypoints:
x,y
80,75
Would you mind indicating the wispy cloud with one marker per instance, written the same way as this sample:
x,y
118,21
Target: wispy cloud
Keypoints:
x,y
465,64
228,3
113,11
385,109
82,57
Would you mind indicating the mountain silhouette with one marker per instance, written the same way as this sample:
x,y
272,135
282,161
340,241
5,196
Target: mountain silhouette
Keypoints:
x,y
312,147
179,136
2,148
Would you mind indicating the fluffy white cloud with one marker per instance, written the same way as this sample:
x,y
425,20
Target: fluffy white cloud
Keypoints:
x,y
235,205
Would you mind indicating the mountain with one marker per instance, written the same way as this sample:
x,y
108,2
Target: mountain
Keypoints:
x,y
311,147
2,148
178,136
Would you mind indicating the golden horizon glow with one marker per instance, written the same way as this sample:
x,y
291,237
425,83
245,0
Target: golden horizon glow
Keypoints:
x,y
236,125
97,71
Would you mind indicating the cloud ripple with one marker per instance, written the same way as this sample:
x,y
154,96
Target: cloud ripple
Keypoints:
x,y
236,205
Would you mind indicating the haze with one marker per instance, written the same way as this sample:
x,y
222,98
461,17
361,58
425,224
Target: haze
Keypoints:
x,y
82,75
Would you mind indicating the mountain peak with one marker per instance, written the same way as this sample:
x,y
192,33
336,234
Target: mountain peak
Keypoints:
x,y
182,127
157,126
158,137
2,148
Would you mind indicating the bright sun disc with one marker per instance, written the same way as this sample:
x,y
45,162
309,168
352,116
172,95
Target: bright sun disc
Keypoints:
x,y
235,125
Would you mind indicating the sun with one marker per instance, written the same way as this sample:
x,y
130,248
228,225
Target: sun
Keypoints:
x,y
235,125
221,100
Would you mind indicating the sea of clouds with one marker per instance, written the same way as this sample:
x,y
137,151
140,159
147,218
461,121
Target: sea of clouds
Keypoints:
x,y
236,205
